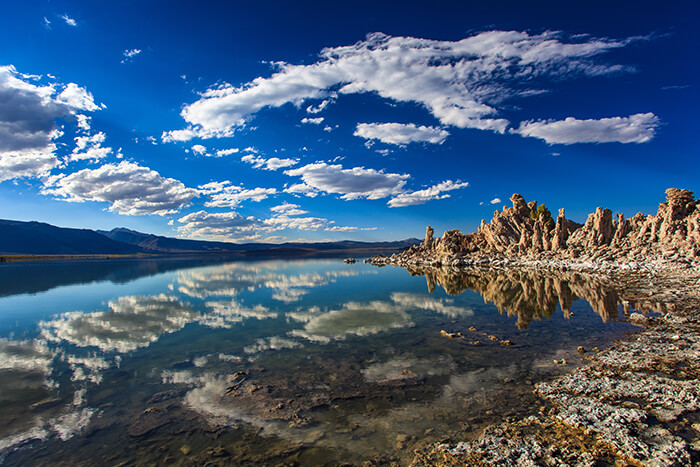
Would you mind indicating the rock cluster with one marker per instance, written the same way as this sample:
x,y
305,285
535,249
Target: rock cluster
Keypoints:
x,y
527,232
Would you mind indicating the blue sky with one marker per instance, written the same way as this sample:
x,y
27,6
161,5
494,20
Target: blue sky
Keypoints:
x,y
330,121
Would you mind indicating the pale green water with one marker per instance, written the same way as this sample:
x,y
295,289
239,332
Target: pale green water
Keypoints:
x,y
136,362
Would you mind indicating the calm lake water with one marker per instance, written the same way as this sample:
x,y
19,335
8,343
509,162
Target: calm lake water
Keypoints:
x,y
292,362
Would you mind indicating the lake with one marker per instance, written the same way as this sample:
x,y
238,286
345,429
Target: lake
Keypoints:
x,y
277,362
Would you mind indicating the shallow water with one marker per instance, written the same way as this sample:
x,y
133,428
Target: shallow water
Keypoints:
x,y
265,363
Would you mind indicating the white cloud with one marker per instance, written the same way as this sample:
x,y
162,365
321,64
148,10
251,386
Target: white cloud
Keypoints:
x,y
78,98
129,54
178,135
638,128
315,121
400,134
226,152
219,225
213,187
495,201
319,108
288,209
273,163
27,163
69,21
423,196
460,83
232,195
301,189
284,221
47,23
90,148
199,150
129,188
28,116
354,183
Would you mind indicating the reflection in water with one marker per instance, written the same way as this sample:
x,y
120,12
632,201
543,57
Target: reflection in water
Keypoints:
x,y
326,361
527,294
130,323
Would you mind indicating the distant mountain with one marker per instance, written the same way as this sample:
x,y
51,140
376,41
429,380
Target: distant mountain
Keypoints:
x,y
156,243
37,238
33,238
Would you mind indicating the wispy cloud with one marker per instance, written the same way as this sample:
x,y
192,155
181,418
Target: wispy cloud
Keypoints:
x,y
129,55
461,83
423,196
69,21
273,163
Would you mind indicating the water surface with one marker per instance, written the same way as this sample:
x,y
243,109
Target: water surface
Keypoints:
x,y
300,362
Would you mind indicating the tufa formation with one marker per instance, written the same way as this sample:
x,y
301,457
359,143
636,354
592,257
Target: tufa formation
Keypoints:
x,y
527,233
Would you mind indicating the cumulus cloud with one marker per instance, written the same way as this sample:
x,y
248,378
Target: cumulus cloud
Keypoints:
x,y
288,209
315,121
90,148
423,196
638,128
217,225
354,183
273,163
79,98
230,196
199,150
178,135
400,134
28,116
286,221
226,152
301,189
129,188
461,83
495,201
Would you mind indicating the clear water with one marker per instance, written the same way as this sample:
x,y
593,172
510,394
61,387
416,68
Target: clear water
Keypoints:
x,y
310,362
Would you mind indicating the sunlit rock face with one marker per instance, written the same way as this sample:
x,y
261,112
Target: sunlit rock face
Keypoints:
x,y
527,294
130,323
528,231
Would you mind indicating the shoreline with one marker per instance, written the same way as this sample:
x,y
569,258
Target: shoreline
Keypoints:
x,y
636,402
223,255
15,258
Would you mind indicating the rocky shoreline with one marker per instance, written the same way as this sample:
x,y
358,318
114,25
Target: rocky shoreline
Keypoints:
x,y
636,403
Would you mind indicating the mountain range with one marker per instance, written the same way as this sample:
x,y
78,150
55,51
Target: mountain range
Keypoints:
x,y
38,238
